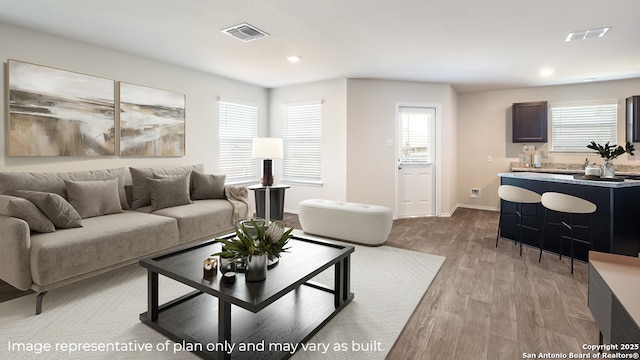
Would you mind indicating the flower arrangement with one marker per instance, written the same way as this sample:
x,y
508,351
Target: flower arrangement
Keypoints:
x,y
610,152
260,239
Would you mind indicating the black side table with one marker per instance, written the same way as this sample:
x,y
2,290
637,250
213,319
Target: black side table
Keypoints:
x,y
276,200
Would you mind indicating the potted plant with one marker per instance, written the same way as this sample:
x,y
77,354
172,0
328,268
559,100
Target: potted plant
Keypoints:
x,y
256,242
610,152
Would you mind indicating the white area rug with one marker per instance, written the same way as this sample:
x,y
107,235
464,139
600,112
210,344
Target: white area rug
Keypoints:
x,y
387,282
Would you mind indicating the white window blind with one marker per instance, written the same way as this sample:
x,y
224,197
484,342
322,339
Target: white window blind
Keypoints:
x,y
573,127
238,125
415,134
302,142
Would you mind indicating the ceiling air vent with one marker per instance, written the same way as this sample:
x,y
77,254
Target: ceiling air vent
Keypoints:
x,y
587,34
245,32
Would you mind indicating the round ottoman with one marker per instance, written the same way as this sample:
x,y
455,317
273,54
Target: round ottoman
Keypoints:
x,y
359,223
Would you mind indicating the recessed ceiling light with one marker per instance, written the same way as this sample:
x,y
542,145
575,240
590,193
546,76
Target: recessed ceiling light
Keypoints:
x,y
587,34
546,72
294,58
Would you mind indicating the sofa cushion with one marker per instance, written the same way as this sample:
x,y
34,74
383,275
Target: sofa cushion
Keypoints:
x,y
24,209
207,186
54,206
201,219
139,187
102,242
169,191
95,197
54,182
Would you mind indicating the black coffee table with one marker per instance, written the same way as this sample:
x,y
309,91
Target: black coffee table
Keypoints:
x,y
265,316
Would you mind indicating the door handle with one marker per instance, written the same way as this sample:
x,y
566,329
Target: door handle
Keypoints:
x,y
399,164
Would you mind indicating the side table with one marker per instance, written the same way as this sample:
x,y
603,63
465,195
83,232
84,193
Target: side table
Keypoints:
x,y
276,200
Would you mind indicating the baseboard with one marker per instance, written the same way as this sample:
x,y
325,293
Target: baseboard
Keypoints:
x,y
478,207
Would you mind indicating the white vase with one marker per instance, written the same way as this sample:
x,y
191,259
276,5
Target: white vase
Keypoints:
x,y
608,171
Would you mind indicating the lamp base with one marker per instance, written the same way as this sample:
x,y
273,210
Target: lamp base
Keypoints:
x,y
267,172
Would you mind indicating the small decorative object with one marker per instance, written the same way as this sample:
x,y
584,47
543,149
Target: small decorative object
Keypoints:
x,y
227,263
608,153
256,242
210,268
592,170
229,277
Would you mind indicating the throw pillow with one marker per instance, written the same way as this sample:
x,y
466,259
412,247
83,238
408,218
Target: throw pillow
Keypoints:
x,y
94,197
24,209
207,186
169,191
54,206
139,187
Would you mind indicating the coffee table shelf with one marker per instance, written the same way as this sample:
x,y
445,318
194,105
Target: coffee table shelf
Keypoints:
x,y
285,308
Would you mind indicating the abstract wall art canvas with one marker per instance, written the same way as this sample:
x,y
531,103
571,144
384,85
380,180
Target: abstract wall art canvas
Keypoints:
x,y
152,121
55,112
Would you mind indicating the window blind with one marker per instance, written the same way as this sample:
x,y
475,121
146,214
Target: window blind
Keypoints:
x,y
573,127
238,125
415,134
302,142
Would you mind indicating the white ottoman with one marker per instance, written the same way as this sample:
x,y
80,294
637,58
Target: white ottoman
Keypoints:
x,y
359,223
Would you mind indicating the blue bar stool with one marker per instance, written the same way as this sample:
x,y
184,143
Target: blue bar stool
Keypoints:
x,y
519,196
567,206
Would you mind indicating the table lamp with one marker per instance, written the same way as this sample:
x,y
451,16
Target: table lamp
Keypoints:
x,y
267,149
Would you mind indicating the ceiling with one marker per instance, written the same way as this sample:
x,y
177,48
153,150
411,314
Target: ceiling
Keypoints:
x,y
473,45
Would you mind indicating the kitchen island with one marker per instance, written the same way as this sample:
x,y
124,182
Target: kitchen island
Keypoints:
x,y
615,225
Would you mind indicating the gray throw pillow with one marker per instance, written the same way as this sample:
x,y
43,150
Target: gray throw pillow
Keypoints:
x,y
139,187
54,206
95,197
24,209
207,186
169,191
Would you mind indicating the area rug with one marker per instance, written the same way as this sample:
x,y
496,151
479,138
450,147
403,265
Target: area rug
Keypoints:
x,y
99,318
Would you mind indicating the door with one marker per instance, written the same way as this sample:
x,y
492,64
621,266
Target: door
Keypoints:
x,y
415,178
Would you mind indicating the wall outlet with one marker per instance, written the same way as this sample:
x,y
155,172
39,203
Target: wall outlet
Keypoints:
x,y
474,193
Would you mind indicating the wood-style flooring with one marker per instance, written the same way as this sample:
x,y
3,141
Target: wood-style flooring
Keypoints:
x,y
486,302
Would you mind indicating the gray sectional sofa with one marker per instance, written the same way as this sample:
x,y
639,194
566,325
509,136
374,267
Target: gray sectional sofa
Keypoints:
x,y
58,228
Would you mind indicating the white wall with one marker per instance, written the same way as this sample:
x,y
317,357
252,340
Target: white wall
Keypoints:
x,y
334,174
371,164
484,121
201,91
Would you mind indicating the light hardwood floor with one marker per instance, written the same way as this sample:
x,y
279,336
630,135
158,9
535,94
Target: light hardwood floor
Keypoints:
x,y
487,302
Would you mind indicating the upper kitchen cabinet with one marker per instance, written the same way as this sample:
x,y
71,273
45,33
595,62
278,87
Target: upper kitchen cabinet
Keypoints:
x,y
633,118
530,122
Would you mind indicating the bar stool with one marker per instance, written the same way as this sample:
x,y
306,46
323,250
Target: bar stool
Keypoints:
x,y
567,205
518,196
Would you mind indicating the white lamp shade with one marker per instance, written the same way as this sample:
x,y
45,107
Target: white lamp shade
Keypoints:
x,y
267,148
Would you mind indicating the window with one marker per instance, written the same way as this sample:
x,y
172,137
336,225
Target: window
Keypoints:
x,y
415,133
573,127
302,142
238,126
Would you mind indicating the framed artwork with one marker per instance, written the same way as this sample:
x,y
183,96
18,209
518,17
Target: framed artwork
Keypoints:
x,y
55,112
152,121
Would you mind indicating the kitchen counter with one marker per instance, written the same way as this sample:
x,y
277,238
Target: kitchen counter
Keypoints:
x,y
569,179
613,226
572,168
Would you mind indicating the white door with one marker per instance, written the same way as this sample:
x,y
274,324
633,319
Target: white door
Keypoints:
x,y
415,178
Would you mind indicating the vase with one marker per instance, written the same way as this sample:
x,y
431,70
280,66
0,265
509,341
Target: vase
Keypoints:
x,y
227,264
256,269
608,170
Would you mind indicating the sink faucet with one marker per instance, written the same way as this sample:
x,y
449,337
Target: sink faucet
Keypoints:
x,y
586,162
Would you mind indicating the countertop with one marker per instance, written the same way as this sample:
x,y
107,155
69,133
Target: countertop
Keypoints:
x,y
568,179
567,168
